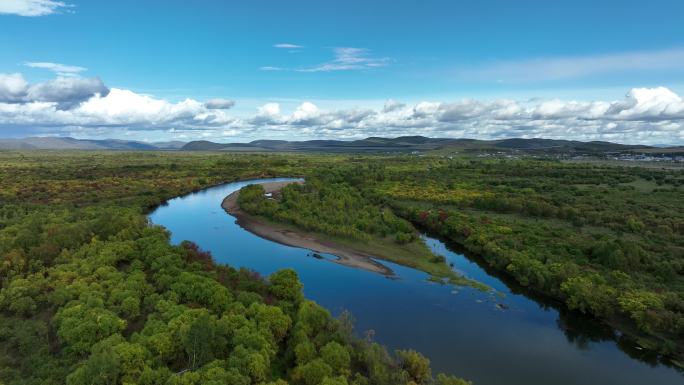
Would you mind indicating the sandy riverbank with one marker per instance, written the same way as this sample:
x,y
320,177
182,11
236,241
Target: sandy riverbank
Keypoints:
x,y
288,236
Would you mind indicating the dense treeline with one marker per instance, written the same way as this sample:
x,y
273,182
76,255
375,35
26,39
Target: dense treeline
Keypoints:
x,y
92,294
608,241
336,209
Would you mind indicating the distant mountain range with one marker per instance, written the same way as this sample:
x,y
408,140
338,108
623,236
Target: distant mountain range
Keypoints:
x,y
66,143
415,143
368,145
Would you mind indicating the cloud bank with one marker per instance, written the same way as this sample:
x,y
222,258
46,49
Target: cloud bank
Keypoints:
x,y
86,107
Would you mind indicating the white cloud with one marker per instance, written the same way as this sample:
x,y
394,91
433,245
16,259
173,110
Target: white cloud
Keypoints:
x,y
59,69
269,109
126,107
392,105
649,103
349,58
304,112
13,88
645,115
31,7
287,46
66,92
571,67
345,59
268,114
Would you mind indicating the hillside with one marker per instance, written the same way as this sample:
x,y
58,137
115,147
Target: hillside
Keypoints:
x,y
414,143
368,145
67,143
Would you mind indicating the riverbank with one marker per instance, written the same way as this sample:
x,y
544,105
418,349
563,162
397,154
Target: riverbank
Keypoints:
x,y
350,253
287,235
416,313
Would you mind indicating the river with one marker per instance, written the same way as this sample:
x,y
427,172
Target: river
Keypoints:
x,y
505,339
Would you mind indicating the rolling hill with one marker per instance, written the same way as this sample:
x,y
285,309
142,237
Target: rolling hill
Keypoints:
x,y
367,145
415,143
67,143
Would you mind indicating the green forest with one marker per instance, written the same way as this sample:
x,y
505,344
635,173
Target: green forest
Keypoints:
x,y
91,293
342,214
605,240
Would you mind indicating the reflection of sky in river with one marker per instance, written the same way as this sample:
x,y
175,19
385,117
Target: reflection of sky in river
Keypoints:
x,y
461,330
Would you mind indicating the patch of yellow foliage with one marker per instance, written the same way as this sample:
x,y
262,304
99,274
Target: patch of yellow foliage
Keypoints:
x,y
432,193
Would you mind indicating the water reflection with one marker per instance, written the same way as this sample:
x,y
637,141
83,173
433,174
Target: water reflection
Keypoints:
x,y
580,329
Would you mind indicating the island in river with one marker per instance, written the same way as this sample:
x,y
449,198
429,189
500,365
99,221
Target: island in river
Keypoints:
x,y
290,236
349,252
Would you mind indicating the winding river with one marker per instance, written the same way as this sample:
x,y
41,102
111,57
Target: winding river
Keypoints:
x,y
507,339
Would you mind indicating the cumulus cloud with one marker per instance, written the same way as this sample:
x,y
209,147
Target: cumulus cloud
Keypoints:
x,y
644,115
65,92
649,103
119,108
127,107
349,58
59,69
31,7
219,104
13,88
392,105
267,115
269,109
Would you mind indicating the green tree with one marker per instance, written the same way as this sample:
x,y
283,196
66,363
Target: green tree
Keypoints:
x,y
101,368
312,318
638,304
416,365
198,341
285,285
81,326
336,356
313,373
339,380
304,351
443,379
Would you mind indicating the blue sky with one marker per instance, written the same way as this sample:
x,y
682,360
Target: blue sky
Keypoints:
x,y
339,63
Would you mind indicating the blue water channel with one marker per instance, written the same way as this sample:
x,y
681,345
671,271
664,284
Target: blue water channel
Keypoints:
x,y
505,338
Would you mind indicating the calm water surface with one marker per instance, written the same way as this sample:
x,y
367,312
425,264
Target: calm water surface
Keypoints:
x,y
505,339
